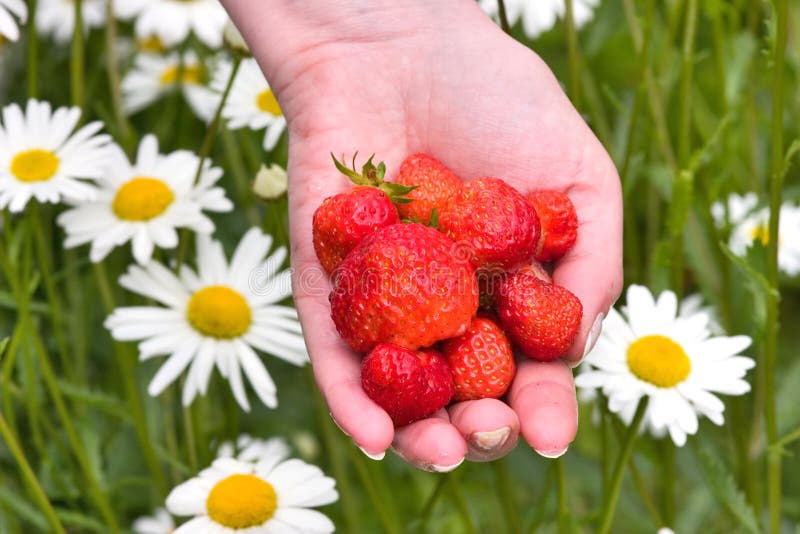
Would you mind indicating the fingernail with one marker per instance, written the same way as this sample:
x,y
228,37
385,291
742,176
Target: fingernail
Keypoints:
x,y
377,457
335,422
491,440
446,468
594,333
553,454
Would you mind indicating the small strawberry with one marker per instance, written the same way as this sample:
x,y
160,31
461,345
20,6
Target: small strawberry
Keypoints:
x,y
409,385
481,361
559,224
435,186
403,285
541,318
490,279
342,220
495,221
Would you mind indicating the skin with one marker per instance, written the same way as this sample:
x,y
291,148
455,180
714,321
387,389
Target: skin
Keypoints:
x,y
404,76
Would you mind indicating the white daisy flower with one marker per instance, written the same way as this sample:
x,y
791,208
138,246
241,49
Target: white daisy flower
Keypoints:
x,y
145,202
734,210
214,316
251,103
129,9
42,158
267,497
154,76
538,16
755,227
250,449
270,182
159,523
56,18
173,20
8,26
673,360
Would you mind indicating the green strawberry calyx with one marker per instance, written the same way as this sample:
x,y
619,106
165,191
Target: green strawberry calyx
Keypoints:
x,y
372,176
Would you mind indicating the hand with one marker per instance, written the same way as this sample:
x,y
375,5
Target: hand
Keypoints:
x,y
394,78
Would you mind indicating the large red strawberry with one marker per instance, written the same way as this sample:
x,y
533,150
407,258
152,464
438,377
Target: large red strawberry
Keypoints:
x,y
435,185
497,224
403,284
342,220
409,385
481,361
559,224
541,318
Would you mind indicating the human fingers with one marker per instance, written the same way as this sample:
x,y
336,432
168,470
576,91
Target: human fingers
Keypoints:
x,y
543,396
489,426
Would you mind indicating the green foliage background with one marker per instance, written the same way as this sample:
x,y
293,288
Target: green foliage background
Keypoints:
x,y
686,117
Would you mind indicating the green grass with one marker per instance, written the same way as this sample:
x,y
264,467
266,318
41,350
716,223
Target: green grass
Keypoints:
x,y
685,96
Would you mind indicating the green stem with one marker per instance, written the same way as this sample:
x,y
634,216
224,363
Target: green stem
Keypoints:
x,y
112,70
467,524
503,16
441,481
619,467
189,435
684,131
53,297
33,47
505,489
562,506
385,514
668,482
773,297
30,478
76,57
205,151
644,494
126,362
94,489
331,442
573,56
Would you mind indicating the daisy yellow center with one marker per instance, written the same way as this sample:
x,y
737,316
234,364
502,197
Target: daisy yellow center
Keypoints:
x,y
241,501
142,199
34,165
760,233
658,360
219,311
189,74
267,102
151,44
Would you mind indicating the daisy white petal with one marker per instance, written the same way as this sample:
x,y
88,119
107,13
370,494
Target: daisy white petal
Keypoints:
x,y
540,16
145,205
652,350
56,18
34,164
232,496
210,320
159,523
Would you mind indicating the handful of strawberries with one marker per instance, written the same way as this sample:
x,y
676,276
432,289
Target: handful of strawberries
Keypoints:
x,y
436,281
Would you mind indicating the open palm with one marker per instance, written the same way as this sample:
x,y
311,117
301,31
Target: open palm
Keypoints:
x,y
484,105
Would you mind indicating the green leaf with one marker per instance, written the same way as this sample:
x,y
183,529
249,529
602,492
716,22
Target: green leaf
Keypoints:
x,y
20,507
682,190
95,399
350,173
3,345
757,283
83,521
722,486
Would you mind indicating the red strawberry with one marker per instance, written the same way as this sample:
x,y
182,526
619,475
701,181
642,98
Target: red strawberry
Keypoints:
x,y
541,318
481,361
408,385
341,221
559,224
402,284
489,281
495,221
436,185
